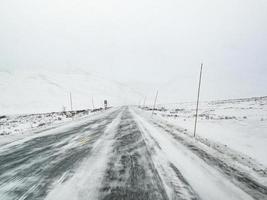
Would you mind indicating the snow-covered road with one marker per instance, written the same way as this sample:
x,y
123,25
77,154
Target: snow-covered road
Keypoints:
x,y
121,154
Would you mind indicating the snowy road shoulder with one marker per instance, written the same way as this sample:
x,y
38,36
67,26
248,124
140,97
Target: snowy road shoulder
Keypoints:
x,y
195,170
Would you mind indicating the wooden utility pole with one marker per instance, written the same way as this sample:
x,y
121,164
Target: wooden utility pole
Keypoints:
x,y
198,93
155,101
70,102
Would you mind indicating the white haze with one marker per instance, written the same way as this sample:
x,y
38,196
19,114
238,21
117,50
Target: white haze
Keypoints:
x,y
143,45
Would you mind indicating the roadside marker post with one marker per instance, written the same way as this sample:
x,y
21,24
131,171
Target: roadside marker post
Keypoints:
x,y
198,93
93,103
155,101
70,102
144,104
71,109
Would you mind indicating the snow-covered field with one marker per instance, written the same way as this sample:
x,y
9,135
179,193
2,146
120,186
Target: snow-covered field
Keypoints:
x,y
14,127
239,124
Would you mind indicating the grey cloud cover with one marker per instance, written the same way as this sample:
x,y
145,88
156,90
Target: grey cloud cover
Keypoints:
x,y
146,44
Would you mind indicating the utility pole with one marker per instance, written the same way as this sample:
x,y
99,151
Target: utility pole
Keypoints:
x,y
70,102
198,93
93,103
155,101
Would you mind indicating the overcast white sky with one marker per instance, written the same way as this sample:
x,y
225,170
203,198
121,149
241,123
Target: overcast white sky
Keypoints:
x,y
143,43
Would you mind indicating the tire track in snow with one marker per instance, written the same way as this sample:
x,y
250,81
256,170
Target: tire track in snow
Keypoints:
x,y
28,170
242,180
86,182
205,179
176,185
131,174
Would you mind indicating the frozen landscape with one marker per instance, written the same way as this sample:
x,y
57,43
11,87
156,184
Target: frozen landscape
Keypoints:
x,y
128,153
99,100
240,124
15,126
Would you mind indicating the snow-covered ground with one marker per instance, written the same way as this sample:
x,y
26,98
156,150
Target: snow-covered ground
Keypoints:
x,y
125,154
239,124
191,163
14,127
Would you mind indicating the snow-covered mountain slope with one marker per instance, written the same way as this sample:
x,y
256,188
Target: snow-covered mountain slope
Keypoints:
x,y
46,91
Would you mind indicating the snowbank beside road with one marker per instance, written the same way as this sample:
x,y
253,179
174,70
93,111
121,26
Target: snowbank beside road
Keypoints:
x,y
192,167
16,127
239,124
